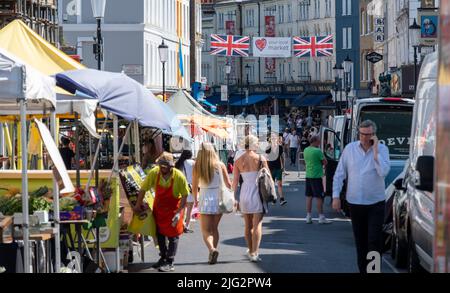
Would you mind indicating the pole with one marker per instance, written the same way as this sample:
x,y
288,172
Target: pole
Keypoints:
x,y
56,201
26,234
228,94
77,149
99,44
116,156
415,69
164,80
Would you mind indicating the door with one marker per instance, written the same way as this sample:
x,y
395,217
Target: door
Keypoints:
x,y
332,149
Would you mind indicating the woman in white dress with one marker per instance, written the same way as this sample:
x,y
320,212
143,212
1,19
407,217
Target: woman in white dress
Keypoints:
x,y
186,165
250,204
206,177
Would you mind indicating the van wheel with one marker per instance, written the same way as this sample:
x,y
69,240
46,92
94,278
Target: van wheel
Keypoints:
x,y
413,259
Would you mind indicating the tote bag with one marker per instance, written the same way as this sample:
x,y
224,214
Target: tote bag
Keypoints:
x,y
226,197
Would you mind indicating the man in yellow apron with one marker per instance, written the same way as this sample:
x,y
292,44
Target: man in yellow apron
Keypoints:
x,y
171,191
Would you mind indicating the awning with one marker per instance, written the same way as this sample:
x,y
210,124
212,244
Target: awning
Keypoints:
x,y
310,100
288,96
252,99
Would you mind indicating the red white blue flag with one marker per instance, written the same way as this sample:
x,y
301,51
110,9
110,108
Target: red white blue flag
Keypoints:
x,y
228,45
313,46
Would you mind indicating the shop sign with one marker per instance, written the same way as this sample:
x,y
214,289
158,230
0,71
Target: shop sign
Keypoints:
x,y
374,57
223,93
428,4
267,89
379,29
132,69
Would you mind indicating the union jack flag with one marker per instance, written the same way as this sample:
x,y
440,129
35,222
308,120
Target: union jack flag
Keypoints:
x,y
313,46
227,45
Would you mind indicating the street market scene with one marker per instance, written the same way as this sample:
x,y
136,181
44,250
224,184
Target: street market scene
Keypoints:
x,y
224,136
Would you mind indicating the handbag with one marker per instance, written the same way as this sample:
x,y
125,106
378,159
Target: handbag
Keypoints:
x,y
226,197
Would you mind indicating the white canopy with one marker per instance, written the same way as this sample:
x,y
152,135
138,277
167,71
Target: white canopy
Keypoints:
x,y
19,80
183,103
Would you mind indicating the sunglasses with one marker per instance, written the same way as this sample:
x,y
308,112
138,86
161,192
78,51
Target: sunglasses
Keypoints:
x,y
366,134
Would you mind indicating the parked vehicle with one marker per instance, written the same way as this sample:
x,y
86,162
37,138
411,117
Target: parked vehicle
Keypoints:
x,y
414,214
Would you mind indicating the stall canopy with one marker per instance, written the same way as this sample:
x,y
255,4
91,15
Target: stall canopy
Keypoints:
x,y
19,80
124,97
190,111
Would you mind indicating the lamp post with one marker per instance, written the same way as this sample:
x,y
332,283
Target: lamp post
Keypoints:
x,y
414,37
228,71
247,72
348,64
338,74
98,10
163,50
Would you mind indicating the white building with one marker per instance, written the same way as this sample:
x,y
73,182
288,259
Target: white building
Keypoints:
x,y
132,32
292,18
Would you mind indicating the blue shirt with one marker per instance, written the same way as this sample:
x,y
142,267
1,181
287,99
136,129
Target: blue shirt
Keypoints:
x,y
365,176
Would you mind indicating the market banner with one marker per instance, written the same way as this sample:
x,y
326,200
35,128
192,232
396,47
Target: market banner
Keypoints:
x,y
272,47
270,32
228,45
429,24
230,27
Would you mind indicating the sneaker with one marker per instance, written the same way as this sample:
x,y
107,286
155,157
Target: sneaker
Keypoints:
x,y
324,220
158,264
255,258
309,220
283,202
168,267
213,255
187,230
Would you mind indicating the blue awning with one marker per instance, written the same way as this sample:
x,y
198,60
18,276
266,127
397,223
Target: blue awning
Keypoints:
x,y
310,100
288,96
252,99
216,99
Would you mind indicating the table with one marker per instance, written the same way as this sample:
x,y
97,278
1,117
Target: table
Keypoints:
x,y
65,231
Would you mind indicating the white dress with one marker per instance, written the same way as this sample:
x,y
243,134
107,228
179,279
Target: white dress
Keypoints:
x,y
208,202
249,200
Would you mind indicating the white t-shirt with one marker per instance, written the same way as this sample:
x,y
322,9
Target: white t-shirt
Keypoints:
x,y
299,123
188,169
293,141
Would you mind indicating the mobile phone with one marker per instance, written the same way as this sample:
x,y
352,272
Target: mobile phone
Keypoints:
x,y
371,142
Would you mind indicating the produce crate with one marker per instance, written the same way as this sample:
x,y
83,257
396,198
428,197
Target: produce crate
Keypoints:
x,y
75,215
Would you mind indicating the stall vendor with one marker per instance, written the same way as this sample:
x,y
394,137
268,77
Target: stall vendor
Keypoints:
x,y
171,191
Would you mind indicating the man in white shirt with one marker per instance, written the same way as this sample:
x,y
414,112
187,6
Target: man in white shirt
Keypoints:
x,y
294,142
364,164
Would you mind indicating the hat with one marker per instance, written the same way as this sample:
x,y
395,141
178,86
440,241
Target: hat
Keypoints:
x,y
166,158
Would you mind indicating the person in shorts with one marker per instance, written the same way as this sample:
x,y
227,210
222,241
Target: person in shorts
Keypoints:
x,y
314,162
275,161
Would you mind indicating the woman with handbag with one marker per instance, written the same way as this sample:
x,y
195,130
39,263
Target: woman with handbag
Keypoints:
x,y
211,177
250,203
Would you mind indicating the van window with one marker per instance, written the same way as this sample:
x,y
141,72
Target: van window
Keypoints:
x,y
393,126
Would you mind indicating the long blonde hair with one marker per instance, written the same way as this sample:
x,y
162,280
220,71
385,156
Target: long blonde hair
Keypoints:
x,y
206,162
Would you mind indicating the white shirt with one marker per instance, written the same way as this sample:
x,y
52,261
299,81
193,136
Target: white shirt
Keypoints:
x,y
293,141
299,123
188,169
365,177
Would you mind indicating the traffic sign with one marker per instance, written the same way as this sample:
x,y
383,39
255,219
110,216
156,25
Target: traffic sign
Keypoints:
x,y
374,57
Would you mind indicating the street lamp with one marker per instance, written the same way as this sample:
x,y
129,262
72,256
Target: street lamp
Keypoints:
x,y
98,10
338,74
163,50
414,37
228,71
348,65
247,72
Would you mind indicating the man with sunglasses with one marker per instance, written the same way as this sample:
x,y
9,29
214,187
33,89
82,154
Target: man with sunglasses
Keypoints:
x,y
171,191
364,164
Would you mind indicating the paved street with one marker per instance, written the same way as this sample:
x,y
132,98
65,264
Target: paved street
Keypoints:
x,y
289,245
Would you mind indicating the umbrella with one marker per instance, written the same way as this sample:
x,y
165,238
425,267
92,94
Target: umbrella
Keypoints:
x,y
124,97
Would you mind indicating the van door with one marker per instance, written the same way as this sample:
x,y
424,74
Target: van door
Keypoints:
x,y
331,147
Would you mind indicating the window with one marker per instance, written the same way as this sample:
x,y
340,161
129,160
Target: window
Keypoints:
x,y
346,7
221,21
318,70
303,71
250,17
289,13
281,14
329,70
346,38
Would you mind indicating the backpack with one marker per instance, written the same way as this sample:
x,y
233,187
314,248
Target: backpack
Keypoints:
x,y
266,186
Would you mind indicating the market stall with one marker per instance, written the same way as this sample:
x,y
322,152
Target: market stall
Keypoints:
x,y
23,89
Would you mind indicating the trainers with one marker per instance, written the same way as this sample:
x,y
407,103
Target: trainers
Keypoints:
x,y
283,202
324,221
309,220
255,258
187,230
158,264
168,267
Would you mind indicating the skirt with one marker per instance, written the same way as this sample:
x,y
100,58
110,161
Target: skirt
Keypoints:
x,y
208,202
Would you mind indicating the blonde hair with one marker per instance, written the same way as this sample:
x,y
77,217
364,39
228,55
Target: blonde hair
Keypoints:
x,y
206,162
251,142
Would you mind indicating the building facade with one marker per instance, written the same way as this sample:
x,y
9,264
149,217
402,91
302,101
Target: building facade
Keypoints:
x,y
132,32
39,15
